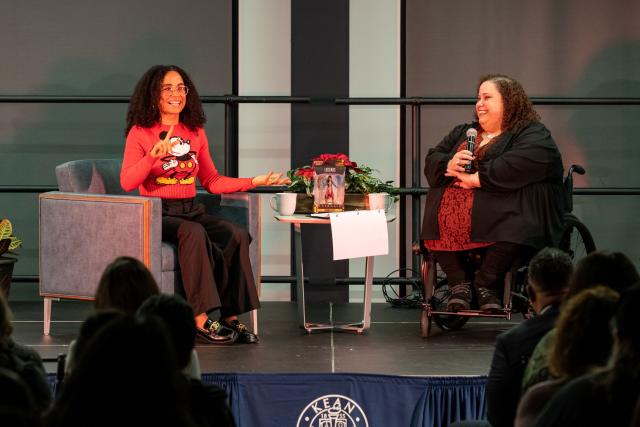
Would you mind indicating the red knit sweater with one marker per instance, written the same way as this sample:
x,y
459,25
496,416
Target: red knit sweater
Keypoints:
x,y
172,176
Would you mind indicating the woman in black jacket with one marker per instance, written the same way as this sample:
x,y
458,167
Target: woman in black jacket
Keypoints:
x,y
513,196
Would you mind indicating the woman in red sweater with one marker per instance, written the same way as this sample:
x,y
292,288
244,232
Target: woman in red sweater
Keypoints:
x,y
166,149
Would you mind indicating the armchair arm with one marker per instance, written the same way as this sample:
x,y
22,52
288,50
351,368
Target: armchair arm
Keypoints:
x,y
80,234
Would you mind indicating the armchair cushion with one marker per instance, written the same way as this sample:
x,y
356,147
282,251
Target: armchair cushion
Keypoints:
x,y
100,176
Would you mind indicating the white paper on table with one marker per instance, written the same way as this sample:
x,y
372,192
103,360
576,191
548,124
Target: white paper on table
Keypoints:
x,y
358,234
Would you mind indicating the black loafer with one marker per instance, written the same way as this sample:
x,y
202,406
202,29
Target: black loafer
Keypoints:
x,y
244,335
215,333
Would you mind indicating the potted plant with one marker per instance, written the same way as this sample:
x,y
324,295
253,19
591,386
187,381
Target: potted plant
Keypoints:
x,y
359,181
8,243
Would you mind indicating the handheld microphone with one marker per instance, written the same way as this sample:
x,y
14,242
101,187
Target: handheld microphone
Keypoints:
x,y
472,134
163,134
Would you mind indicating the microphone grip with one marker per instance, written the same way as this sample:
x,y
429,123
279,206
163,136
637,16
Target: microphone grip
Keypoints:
x,y
471,145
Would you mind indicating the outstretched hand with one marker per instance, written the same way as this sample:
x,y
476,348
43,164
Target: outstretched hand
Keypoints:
x,y
270,179
163,146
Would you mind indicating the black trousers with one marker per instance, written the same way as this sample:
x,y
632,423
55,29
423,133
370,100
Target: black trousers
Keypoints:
x,y
497,260
214,258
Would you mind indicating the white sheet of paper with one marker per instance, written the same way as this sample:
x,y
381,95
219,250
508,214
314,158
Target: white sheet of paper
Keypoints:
x,y
358,234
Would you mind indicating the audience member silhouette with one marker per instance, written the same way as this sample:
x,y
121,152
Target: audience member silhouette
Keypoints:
x,y
124,375
17,407
124,285
22,360
608,397
548,277
611,269
207,403
88,329
582,343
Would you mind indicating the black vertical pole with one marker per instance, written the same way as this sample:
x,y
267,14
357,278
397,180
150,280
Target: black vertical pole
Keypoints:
x,y
231,138
231,108
320,69
402,256
415,182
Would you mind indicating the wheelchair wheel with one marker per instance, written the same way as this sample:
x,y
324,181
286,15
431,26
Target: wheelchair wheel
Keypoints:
x,y
425,324
439,302
576,239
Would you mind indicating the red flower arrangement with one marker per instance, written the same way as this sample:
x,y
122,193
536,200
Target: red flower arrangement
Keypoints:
x,y
358,179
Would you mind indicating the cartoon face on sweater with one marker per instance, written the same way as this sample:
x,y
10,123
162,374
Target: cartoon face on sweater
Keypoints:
x,y
180,166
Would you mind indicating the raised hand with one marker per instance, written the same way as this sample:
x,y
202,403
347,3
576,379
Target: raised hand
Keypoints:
x,y
163,146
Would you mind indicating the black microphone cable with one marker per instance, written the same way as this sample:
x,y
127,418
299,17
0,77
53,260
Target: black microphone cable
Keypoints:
x,y
413,299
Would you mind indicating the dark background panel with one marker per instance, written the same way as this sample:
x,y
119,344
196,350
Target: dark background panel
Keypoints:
x,y
73,47
570,48
78,48
555,48
320,69
604,148
601,138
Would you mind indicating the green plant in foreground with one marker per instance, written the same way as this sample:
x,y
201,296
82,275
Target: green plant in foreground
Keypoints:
x,y
8,242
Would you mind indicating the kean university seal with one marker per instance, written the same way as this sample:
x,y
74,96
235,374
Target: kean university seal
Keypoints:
x,y
332,410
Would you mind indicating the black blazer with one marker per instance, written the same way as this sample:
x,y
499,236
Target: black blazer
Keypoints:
x,y
512,352
521,199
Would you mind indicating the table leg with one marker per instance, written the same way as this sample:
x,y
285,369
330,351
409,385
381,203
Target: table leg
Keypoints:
x,y
359,327
299,275
368,287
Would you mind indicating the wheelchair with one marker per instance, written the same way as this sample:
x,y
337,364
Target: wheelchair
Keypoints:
x,y
576,240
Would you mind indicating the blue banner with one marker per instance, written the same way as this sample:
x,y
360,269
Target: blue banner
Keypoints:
x,y
350,400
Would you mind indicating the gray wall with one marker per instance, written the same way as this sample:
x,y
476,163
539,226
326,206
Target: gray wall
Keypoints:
x,y
80,48
570,48
583,48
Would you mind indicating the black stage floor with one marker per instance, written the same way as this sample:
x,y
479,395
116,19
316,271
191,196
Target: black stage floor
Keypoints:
x,y
392,346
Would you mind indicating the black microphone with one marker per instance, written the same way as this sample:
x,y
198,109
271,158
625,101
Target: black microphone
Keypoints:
x,y
472,134
163,134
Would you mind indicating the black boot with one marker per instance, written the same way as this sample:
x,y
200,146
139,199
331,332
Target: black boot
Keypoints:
x,y
488,300
460,298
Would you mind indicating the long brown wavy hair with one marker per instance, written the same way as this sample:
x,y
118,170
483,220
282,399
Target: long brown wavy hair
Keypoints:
x,y
518,110
143,106
583,339
124,285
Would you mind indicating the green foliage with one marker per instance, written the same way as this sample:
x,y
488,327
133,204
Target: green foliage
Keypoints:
x,y
361,180
8,242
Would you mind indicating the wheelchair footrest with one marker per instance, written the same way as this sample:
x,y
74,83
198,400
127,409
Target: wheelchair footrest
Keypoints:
x,y
472,313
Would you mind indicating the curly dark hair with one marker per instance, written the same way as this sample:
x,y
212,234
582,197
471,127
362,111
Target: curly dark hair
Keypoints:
x,y
518,110
143,106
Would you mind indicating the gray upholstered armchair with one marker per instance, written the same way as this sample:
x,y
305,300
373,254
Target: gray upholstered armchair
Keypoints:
x,y
91,221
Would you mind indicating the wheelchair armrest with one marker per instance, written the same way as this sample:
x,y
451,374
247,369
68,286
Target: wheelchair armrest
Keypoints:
x,y
81,233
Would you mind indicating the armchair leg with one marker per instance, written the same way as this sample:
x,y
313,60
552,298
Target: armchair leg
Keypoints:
x,y
254,321
47,315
